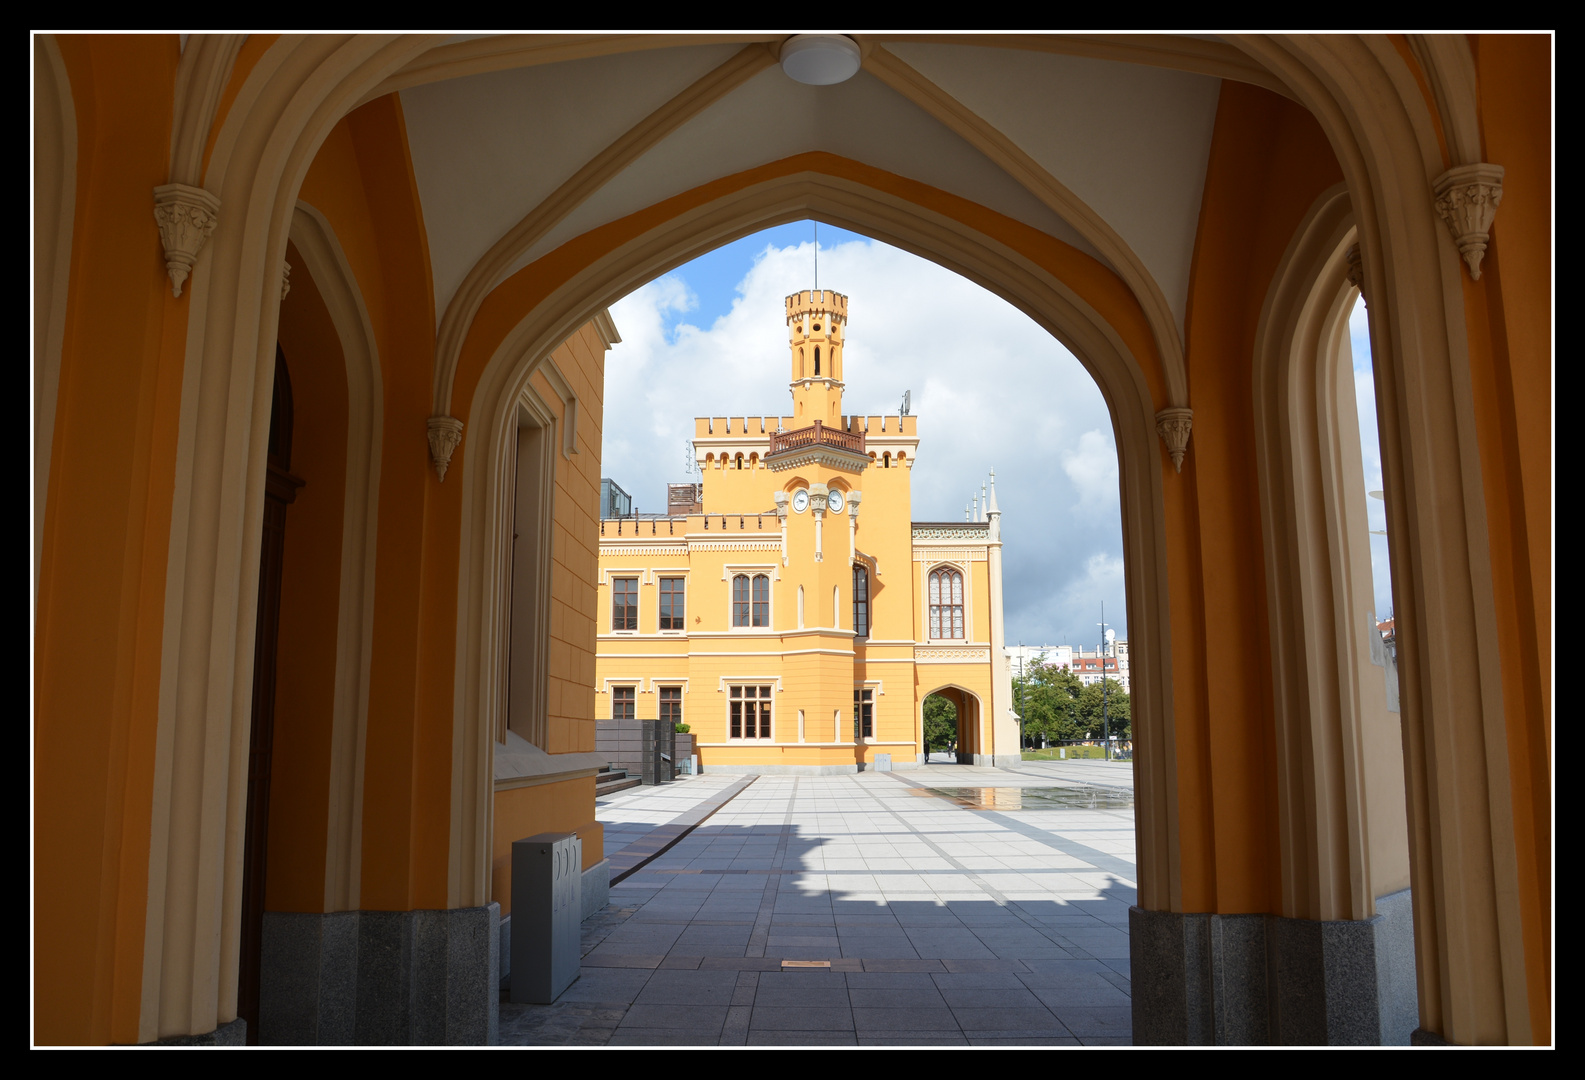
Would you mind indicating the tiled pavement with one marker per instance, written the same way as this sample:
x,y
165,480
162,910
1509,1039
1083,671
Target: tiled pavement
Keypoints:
x,y
943,925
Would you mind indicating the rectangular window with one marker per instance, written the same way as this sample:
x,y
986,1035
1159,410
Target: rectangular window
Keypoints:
x,y
624,603
750,712
863,714
672,603
622,698
671,705
861,601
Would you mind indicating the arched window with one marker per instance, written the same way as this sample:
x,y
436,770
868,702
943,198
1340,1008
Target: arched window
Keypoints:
x,y
751,600
886,460
861,601
761,600
738,462
946,603
817,359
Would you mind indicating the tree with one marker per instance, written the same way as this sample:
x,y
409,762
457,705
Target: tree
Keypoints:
x,y
941,723
1117,710
1046,697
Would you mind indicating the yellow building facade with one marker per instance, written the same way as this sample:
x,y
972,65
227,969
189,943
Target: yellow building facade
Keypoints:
x,y
799,619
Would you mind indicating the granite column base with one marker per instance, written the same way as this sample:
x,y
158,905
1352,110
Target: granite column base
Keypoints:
x,y
1260,980
380,978
233,1034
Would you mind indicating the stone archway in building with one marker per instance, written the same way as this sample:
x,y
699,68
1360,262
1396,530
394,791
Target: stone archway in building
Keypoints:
x,y
969,718
282,114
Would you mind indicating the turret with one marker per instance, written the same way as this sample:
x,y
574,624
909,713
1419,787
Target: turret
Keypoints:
x,y
816,336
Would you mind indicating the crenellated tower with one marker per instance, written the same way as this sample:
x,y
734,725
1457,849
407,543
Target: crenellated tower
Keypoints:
x,y
816,332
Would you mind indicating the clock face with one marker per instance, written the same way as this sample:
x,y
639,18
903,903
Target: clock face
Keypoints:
x,y
834,501
801,500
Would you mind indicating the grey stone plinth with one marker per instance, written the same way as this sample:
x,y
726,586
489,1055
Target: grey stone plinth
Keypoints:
x,y
1398,989
308,978
428,977
1249,980
233,1034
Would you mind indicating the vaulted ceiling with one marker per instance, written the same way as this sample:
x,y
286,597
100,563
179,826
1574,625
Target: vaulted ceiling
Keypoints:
x,y
520,144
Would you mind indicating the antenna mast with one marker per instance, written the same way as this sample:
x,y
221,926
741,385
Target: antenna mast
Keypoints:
x,y
817,256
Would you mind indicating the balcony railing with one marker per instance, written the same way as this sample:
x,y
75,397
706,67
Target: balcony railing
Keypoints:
x,y
816,434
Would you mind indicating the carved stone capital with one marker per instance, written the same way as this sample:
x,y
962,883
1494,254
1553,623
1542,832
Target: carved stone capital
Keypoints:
x,y
781,506
445,433
1467,197
186,216
1356,271
1173,426
286,278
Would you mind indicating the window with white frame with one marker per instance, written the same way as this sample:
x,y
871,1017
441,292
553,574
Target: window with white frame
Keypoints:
x,y
946,603
673,602
863,714
751,600
861,601
624,603
623,702
671,705
749,714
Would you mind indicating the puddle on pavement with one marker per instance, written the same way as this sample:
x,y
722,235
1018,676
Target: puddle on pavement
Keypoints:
x,y
1033,798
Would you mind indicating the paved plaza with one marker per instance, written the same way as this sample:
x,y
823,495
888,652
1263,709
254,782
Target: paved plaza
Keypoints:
x,y
955,905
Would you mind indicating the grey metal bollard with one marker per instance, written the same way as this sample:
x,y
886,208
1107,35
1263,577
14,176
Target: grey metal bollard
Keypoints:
x,y
547,908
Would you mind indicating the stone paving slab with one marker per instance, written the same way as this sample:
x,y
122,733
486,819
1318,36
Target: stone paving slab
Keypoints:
x,y
943,925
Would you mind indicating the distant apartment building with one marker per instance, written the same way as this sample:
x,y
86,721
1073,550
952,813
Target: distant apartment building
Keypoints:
x,y
1090,665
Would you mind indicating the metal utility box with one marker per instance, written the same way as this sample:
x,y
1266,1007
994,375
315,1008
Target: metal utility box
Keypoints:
x,y
547,908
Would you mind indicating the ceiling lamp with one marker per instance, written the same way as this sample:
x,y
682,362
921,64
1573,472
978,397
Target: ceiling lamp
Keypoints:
x,y
820,59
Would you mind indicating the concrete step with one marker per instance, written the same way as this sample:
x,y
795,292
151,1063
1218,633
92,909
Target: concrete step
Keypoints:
x,y
620,782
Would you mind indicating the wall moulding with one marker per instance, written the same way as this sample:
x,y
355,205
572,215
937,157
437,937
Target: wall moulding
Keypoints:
x,y
445,433
1173,425
1467,198
186,215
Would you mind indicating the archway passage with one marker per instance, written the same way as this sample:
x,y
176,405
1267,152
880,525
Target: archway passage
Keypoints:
x,y
159,458
280,492
953,716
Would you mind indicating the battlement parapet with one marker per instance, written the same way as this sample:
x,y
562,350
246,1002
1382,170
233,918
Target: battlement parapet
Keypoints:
x,y
748,427
821,302
890,424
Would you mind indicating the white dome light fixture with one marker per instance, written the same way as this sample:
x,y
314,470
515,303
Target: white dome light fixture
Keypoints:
x,y
820,59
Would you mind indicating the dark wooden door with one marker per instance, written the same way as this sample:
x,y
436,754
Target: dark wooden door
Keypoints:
x,y
280,491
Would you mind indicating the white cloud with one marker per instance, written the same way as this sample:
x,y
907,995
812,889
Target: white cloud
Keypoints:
x,y
990,387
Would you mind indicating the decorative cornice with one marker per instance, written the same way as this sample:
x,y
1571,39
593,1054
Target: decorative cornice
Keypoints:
x,y
638,551
926,654
1173,426
968,530
818,456
186,216
950,554
1467,197
445,433
605,326
734,545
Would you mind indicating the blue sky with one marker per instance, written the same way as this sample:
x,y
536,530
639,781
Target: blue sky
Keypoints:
x,y
1370,452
